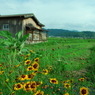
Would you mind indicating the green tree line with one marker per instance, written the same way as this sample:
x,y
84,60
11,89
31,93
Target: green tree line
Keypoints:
x,y
69,33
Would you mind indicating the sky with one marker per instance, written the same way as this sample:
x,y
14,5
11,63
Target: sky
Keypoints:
x,y
55,14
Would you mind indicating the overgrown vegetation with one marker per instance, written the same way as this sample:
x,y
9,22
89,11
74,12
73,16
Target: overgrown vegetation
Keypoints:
x,y
61,66
15,43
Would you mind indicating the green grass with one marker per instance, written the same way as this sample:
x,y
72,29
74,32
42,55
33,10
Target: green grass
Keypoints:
x,y
74,52
68,58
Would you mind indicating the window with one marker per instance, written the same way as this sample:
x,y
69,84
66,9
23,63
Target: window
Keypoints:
x,y
6,26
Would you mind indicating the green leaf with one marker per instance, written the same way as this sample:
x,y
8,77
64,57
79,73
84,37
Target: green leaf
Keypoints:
x,y
6,34
7,43
18,35
24,37
22,45
15,43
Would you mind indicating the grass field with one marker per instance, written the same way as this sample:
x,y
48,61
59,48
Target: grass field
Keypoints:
x,y
60,66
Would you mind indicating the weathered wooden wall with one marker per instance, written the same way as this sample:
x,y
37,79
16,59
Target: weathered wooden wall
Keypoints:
x,y
15,24
44,36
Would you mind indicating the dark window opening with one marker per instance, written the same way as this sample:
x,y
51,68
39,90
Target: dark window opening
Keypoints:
x,y
6,26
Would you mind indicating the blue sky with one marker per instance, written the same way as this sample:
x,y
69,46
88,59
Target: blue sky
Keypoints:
x,y
64,14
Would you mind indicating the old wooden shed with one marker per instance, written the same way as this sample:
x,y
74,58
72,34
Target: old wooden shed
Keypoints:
x,y
27,23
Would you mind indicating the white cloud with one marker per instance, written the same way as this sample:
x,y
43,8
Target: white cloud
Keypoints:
x,y
68,14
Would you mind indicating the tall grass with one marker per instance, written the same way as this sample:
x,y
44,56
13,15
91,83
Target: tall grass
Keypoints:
x,y
60,66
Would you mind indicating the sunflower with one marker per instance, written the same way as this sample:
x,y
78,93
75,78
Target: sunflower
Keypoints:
x,y
36,59
32,51
50,68
25,57
7,80
23,77
38,83
1,72
13,93
28,55
67,85
29,68
0,65
45,86
53,80
35,66
71,81
33,85
39,93
10,72
83,91
66,94
27,62
45,71
1,93
31,76
16,66
27,86
81,79
66,81
17,86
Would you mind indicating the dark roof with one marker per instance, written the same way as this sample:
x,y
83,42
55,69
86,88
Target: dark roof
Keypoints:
x,y
29,15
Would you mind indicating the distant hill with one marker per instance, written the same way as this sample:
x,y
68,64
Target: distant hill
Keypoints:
x,y
70,33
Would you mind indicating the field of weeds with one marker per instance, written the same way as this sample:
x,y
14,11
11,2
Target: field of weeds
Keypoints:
x,y
60,66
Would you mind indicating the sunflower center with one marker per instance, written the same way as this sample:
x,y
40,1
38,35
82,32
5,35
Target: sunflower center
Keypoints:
x,y
28,62
0,65
38,83
30,76
30,68
33,85
23,76
67,85
18,86
53,81
35,65
36,60
39,93
44,71
83,91
27,86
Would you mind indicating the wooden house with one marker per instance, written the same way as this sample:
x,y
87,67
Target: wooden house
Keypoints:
x,y
27,23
